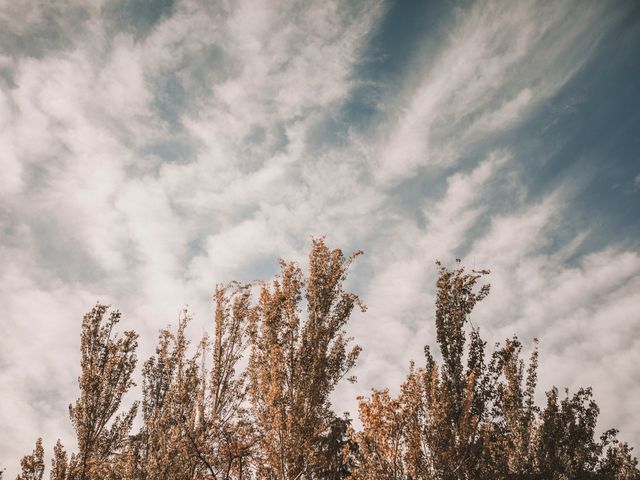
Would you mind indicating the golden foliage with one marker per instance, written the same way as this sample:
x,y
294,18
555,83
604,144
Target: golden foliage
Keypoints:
x,y
467,419
33,465
253,400
297,360
107,363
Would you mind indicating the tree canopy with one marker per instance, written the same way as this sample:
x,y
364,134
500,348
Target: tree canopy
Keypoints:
x,y
253,400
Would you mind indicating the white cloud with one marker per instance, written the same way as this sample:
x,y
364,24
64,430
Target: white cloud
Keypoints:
x,y
507,114
498,62
11,178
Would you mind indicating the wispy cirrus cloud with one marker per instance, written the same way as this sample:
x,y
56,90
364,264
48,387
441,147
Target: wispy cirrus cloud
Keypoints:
x,y
495,65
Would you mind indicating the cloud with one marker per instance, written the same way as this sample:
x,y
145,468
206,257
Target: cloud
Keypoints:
x,y
11,180
498,62
46,26
507,114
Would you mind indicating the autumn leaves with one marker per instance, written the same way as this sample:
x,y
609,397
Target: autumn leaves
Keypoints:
x,y
253,401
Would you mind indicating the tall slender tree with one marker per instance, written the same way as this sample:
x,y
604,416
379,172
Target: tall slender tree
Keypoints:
x,y
59,463
297,360
107,362
195,420
225,431
162,449
253,400
32,465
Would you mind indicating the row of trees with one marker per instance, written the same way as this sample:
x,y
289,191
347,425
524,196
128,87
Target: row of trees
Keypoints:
x,y
253,400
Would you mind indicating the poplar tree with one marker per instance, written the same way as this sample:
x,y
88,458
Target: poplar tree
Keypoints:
x,y
59,463
107,363
195,417
296,361
252,401
32,465
225,431
470,417
162,449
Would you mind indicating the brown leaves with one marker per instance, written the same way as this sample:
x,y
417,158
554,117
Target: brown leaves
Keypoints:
x,y
253,400
107,362
33,465
297,360
381,443
453,423
59,463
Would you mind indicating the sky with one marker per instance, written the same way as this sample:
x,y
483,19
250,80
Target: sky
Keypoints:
x,y
151,149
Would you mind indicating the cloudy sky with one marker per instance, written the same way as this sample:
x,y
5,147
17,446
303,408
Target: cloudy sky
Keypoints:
x,y
150,149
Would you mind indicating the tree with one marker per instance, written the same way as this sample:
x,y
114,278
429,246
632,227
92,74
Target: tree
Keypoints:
x,y
253,400
33,464
381,442
162,448
617,461
295,363
59,463
107,363
467,418
226,433
195,421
